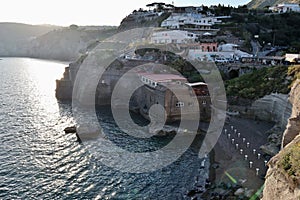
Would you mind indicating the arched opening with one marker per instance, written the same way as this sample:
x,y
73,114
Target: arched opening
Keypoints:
x,y
233,74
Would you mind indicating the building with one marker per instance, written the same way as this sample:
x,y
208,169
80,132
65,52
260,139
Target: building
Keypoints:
x,y
210,50
188,9
173,37
285,7
203,51
190,21
231,51
209,46
292,58
159,88
271,60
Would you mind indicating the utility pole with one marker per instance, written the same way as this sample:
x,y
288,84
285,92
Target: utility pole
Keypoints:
x,y
274,37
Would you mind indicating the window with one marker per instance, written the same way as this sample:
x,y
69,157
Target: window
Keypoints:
x,y
204,102
179,104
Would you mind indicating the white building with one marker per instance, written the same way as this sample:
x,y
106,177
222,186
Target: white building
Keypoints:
x,y
189,21
228,47
285,7
292,58
227,51
174,37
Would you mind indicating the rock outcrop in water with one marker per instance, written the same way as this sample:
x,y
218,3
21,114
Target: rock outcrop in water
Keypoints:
x,y
282,180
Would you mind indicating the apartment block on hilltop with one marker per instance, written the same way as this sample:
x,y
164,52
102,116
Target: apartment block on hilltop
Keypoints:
x,y
190,21
173,37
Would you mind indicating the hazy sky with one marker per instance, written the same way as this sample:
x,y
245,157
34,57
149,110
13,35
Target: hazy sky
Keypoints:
x,y
85,12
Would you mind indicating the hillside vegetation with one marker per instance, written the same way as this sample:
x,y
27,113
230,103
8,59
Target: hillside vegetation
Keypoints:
x,y
290,163
263,82
278,30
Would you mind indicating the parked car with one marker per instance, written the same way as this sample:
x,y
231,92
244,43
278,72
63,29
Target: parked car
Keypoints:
x,y
221,60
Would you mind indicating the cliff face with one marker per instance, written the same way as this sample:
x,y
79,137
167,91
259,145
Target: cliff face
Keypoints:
x,y
50,42
15,37
273,107
293,127
143,19
283,177
67,43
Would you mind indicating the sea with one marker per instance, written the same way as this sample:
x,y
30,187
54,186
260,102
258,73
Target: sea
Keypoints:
x,y
39,161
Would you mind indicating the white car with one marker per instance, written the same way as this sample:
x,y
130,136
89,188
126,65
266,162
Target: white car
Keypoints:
x,y
221,60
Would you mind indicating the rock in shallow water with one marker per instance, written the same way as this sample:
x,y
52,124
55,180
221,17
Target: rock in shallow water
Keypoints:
x,y
71,129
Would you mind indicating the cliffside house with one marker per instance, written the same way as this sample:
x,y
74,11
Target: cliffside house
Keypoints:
x,y
173,37
190,21
158,89
285,7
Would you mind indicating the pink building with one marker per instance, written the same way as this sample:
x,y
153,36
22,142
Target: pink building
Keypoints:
x,y
209,47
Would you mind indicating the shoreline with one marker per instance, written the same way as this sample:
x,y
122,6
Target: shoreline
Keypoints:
x,y
65,62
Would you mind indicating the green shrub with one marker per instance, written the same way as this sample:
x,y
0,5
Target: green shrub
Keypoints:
x,y
290,163
260,83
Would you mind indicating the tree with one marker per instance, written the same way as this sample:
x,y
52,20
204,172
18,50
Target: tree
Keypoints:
x,y
73,27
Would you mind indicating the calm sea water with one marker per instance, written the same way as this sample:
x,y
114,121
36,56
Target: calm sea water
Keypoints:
x,y
39,161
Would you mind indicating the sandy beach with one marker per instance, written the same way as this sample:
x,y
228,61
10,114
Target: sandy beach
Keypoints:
x,y
236,148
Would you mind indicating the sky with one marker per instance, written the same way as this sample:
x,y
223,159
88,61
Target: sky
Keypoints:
x,y
86,12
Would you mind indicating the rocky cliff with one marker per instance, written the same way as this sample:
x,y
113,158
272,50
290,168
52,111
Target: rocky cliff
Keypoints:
x,y
283,176
139,19
67,43
15,37
293,127
50,42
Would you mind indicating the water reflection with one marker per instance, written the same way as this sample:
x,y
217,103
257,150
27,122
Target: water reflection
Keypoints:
x,y
39,161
